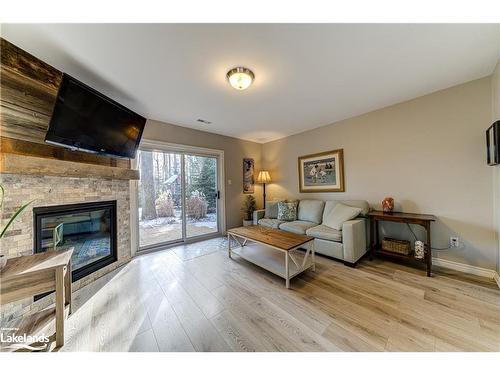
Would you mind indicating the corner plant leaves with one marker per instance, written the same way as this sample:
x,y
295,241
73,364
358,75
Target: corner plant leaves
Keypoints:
x,y
16,214
3,193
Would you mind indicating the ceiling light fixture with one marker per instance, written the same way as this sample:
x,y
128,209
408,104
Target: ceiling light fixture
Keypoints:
x,y
240,78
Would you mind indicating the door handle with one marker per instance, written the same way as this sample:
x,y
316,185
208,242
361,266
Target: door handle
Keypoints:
x,y
218,194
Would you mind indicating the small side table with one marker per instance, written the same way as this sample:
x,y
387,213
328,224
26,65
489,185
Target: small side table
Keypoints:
x,y
404,218
27,276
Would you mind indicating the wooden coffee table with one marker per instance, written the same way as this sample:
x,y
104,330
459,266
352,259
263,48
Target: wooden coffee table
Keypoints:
x,y
265,248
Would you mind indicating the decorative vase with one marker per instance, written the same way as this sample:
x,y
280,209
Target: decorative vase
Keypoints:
x,y
247,223
388,204
419,249
3,261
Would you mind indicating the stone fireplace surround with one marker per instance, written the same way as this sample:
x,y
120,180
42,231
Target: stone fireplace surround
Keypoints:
x,y
48,191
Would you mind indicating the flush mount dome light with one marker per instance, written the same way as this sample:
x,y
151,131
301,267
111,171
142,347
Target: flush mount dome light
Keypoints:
x,y
240,78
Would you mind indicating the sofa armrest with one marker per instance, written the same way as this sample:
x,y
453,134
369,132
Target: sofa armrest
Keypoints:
x,y
354,239
257,215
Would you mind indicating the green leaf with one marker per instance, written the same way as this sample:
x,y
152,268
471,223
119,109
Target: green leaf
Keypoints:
x,y
3,193
16,214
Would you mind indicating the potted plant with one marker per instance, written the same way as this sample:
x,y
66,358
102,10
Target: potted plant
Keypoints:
x,y
248,208
3,258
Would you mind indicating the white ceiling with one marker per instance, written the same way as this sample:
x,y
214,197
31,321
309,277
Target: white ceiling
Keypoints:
x,y
306,75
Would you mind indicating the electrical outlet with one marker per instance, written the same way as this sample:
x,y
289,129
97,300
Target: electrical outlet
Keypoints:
x,y
454,242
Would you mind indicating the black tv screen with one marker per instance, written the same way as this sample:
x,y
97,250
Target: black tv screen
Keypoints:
x,y
84,119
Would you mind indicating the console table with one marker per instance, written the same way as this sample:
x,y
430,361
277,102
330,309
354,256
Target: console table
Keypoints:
x,y
27,276
404,218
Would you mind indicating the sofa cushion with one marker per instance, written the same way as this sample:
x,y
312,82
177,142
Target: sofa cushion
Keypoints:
x,y
311,210
330,205
271,210
270,223
287,211
340,214
297,226
325,233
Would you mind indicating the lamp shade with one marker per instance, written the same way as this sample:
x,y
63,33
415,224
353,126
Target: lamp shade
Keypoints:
x,y
263,177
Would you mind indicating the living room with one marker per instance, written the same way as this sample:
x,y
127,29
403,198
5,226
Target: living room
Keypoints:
x,y
250,187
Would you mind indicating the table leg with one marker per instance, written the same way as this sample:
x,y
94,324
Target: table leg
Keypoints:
x,y
287,273
59,306
313,257
67,288
429,251
372,237
229,245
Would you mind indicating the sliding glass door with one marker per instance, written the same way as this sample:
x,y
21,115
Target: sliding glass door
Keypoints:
x,y
178,197
160,198
201,195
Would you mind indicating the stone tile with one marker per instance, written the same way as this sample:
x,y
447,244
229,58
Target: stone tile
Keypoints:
x,y
50,191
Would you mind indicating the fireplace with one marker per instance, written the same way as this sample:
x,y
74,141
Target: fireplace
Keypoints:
x,y
89,228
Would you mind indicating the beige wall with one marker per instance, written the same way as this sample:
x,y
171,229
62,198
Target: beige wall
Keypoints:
x,y
427,153
495,90
495,115
234,152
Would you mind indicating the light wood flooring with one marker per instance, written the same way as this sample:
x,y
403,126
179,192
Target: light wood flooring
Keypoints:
x,y
193,298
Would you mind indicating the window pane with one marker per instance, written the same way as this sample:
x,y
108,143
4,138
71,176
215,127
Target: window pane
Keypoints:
x,y
201,195
160,196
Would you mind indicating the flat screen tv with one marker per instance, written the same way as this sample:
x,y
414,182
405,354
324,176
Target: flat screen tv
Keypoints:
x,y
493,144
86,120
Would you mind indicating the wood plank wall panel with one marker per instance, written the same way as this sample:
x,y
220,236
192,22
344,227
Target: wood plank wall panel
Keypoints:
x,y
28,90
28,94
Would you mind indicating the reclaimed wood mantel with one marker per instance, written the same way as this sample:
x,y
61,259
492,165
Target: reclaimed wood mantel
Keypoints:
x,y
29,165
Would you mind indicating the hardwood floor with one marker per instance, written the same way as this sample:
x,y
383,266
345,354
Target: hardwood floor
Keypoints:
x,y
166,301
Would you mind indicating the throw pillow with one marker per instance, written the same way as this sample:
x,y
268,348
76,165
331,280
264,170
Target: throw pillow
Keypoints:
x,y
340,214
287,211
271,210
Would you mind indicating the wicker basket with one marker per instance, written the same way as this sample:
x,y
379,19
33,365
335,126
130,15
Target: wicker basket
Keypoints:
x,y
396,246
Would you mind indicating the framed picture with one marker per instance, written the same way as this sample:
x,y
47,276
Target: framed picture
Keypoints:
x,y
323,172
248,180
493,144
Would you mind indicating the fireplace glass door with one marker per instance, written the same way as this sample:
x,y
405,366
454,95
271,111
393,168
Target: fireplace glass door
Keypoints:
x,y
88,228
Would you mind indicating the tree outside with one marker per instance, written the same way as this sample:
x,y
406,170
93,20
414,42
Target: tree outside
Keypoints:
x,y
205,183
147,186
160,196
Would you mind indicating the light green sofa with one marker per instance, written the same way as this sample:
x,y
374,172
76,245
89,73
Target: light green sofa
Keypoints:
x,y
348,244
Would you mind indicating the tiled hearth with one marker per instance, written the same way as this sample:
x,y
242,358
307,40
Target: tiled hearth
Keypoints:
x,y
51,191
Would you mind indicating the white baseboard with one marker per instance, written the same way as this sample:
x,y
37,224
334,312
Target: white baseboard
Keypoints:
x,y
462,267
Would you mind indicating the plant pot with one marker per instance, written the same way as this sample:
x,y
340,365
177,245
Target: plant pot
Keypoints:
x,y
3,261
247,223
